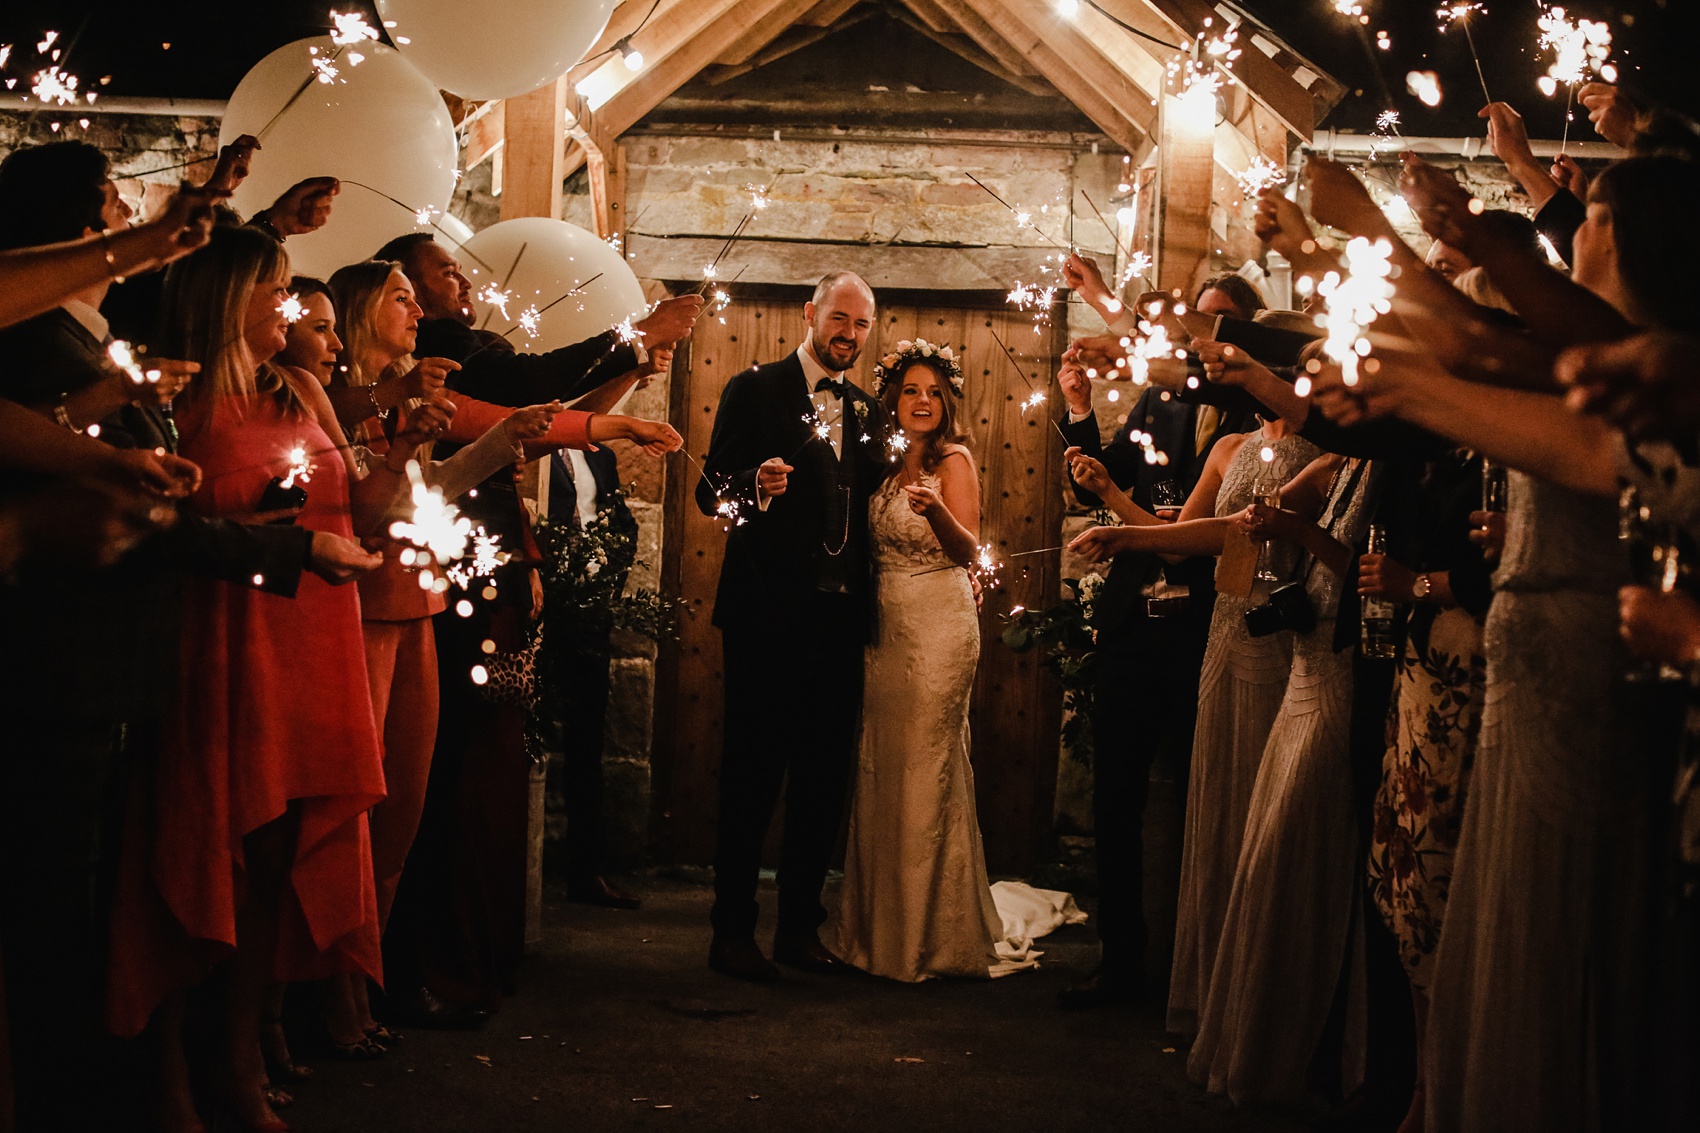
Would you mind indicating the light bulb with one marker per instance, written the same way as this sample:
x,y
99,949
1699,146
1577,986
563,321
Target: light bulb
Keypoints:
x,y
632,56
1069,8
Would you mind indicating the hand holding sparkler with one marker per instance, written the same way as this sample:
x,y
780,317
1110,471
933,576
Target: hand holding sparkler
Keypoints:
x,y
1613,115
1644,385
422,383
1076,387
1282,225
154,471
660,361
923,500
532,422
1097,544
672,320
338,560
234,162
1569,176
1444,208
1085,279
425,423
657,438
773,478
1089,472
303,208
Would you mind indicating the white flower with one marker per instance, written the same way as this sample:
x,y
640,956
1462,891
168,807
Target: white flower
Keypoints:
x,y
592,569
926,350
945,353
905,346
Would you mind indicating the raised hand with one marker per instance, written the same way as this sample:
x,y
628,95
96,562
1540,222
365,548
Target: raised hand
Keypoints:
x,y
1612,114
1225,364
532,422
1507,134
1339,200
162,380
1569,176
773,477
660,361
303,208
1281,224
426,378
1444,208
923,501
1100,352
1088,472
234,162
1644,385
183,226
1085,279
1076,388
672,320
657,438
338,560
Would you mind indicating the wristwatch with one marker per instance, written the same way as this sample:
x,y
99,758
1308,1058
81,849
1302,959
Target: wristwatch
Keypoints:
x,y
1421,588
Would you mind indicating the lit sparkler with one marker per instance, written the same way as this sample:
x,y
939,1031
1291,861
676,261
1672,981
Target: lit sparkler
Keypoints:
x,y
1036,398
291,308
424,214
758,197
1355,301
529,320
985,568
435,525
1578,46
1138,266
324,67
1261,174
1458,15
485,557
897,445
351,29
300,467
495,297
625,332
55,85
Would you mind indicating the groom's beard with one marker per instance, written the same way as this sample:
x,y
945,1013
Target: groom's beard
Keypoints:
x,y
837,354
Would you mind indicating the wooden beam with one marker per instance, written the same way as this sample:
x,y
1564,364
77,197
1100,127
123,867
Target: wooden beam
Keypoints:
x,y
966,49
486,135
957,14
534,155
827,12
1069,60
930,13
1261,75
694,38
1186,176
794,38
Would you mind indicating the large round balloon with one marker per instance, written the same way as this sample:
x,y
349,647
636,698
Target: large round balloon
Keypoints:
x,y
496,48
378,124
537,262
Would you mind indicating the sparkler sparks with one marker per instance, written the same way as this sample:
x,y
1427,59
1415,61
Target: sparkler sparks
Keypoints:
x,y
55,85
351,29
486,556
496,298
435,525
291,308
424,215
1356,301
1138,267
986,567
1578,47
1458,15
324,66
758,197
123,357
626,333
300,467
1387,122
1261,174
897,445
1036,398
529,320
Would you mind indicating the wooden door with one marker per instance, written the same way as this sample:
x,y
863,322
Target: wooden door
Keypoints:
x,y
1017,706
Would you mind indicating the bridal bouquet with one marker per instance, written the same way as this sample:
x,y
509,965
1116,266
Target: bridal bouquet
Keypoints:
x,y
1065,631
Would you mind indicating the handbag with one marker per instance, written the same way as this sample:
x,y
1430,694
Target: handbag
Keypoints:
x,y
512,679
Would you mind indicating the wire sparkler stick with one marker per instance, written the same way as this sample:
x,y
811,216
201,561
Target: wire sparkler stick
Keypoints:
x,y
1470,38
538,314
1022,219
1035,389
502,290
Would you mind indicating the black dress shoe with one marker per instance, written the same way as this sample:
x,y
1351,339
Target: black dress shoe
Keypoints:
x,y
742,960
1102,989
807,954
420,1008
597,891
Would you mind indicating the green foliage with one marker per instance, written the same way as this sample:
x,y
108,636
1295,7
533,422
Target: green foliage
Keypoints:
x,y
584,584
1065,633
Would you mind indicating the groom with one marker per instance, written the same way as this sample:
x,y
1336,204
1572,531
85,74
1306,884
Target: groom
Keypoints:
x,y
796,452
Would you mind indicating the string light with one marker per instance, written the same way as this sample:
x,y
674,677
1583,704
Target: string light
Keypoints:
x,y
632,56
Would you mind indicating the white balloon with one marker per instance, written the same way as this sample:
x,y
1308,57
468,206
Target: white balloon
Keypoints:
x,y
379,123
496,48
541,261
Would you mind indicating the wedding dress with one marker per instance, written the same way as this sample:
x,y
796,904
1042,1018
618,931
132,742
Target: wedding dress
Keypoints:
x,y
915,901
1239,694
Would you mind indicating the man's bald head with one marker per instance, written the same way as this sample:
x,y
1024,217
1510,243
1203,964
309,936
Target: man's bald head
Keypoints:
x,y
840,316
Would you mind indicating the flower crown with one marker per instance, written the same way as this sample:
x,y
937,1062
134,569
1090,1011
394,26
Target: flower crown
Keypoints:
x,y
919,350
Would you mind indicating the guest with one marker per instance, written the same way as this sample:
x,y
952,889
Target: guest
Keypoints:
x,y
1152,619
312,344
273,876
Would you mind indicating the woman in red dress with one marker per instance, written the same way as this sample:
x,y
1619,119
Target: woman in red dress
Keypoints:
x,y
248,847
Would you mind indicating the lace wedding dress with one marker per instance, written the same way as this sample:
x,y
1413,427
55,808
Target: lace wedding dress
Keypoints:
x,y
1239,693
915,901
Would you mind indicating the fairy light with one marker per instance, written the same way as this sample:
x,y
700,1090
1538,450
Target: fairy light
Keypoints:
x,y
300,467
1348,8
1355,301
292,309
1261,174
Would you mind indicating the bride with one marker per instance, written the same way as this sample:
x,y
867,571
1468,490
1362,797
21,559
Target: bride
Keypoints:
x,y
915,902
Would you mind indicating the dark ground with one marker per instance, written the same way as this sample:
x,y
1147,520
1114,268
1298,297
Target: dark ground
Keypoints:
x,y
620,1025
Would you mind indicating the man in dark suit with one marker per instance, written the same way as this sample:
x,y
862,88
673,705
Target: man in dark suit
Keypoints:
x,y
1152,619
583,488
796,453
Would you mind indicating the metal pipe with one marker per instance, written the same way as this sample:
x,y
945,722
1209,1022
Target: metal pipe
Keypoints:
x,y
120,104
1333,142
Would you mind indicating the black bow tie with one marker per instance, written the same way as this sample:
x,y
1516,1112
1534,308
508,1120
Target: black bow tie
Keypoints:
x,y
834,386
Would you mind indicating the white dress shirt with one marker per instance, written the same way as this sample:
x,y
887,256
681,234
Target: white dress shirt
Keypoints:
x,y
91,320
584,484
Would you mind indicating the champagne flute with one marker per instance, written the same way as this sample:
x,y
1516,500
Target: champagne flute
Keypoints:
x,y
1266,490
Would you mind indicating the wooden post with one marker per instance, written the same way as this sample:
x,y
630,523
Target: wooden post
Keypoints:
x,y
534,154
1185,176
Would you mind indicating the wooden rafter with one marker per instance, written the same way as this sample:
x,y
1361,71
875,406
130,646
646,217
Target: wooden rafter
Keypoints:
x,y
1066,58
792,39
965,48
1267,81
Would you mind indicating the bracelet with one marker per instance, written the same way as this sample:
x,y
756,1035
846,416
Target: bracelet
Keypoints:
x,y
378,411
64,418
111,260
266,226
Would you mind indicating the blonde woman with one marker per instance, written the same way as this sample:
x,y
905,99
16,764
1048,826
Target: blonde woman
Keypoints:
x,y
247,842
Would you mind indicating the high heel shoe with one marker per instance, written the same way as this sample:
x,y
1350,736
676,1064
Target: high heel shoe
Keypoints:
x,y
240,1111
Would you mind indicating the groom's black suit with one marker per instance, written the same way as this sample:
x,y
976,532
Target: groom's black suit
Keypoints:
x,y
794,610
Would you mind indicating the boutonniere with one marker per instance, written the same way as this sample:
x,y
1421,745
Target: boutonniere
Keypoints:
x,y
861,412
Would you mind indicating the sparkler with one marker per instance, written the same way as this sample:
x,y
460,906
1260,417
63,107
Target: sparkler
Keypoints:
x,y
487,555
1355,301
291,308
1138,266
1578,47
728,510
123,357
351,29
1261,174
1036,396
1023,219
300,467
897,445
55,85
759,200
528,320
985,567
1458,15
494,296
503,289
